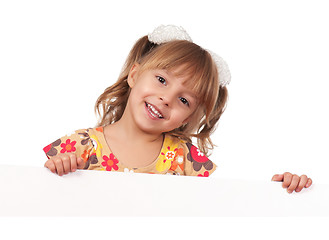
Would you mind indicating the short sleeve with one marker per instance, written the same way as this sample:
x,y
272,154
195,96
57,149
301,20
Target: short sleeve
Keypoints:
x,y
78,142
197,163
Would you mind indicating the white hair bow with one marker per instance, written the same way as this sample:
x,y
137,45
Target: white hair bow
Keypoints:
x,y
166,33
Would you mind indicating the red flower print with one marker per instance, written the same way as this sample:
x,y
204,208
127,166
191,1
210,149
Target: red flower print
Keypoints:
x,y
110,162
198,159
68,146
197,155
205,174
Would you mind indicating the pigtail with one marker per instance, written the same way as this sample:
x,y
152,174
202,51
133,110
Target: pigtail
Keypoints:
x,y
140,49
111,103
207,127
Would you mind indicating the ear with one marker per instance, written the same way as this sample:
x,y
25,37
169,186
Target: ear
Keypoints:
x,y
133,73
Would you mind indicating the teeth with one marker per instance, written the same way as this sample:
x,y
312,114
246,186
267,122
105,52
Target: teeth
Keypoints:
x,y
154,112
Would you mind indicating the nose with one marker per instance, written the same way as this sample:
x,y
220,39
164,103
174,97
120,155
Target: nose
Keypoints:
x,y
164,101
167,97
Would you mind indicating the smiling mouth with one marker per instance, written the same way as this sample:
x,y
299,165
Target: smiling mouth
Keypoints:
x,y
153,111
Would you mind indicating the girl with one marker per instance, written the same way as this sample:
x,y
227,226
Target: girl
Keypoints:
x,y
169,91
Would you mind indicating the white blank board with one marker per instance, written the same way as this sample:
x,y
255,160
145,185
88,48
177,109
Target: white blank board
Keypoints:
x,y
35,191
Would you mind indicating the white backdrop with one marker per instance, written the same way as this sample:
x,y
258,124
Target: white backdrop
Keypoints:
x,y
56,58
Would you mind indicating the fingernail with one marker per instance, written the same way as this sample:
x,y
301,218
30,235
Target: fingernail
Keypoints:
x,y
289,191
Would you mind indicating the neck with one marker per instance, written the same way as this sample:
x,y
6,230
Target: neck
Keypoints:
x,y
127,130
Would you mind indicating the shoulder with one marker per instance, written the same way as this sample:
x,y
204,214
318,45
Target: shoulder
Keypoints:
x,y
197,157
86,134
75,141
196,163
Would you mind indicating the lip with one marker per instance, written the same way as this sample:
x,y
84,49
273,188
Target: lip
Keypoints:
x,y
151,114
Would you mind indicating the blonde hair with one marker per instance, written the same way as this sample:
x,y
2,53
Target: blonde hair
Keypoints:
x,y
189,59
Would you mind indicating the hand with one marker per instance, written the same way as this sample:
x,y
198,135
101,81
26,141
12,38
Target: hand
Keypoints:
x,y
292,181
64,163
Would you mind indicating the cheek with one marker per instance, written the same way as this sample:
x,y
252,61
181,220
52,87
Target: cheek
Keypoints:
x,y
137,93
181,115
143,90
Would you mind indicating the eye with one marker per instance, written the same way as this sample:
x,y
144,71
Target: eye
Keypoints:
x,y
184,101
161,80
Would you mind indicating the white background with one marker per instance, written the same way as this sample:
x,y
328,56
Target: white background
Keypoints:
x,y
57,57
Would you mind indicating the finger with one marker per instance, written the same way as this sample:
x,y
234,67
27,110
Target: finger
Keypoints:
x,y
309,183
277,177
287,178
66,163
293,184
59,166
302,183
81,163
50,165
73,160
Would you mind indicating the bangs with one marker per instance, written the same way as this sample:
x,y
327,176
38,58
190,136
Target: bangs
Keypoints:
x,y
190,61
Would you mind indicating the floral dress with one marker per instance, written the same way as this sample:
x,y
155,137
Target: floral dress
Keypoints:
x,y
177,157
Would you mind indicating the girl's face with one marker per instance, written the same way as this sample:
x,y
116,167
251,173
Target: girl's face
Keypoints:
x,y
159,102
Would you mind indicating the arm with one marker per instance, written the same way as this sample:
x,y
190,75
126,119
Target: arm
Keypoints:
x,y
68,153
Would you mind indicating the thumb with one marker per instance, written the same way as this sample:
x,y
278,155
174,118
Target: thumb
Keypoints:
x,y
80,163
277,178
